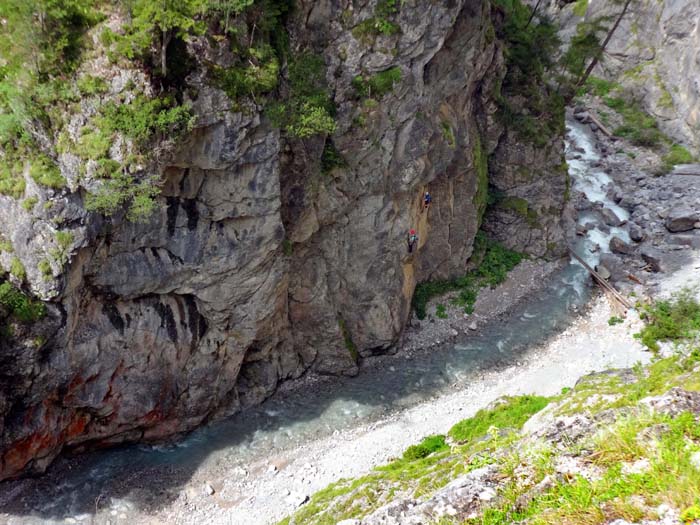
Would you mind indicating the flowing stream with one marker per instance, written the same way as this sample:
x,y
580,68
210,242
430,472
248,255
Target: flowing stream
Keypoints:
x,y
70,492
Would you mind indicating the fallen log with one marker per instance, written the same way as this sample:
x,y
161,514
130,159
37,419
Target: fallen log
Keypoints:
x,y
605,285
600,125
687,169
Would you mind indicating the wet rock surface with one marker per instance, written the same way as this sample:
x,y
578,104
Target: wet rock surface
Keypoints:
x,y
658,232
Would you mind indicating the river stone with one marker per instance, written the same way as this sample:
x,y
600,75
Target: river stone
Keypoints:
x,y
681,219
652,257
610,217
617,245
636,233
614,264
603,271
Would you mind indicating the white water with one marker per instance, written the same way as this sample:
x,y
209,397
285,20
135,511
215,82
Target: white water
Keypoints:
x,y
593,183
300,417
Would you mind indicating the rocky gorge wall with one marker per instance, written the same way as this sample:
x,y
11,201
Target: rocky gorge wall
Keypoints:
x,y
258,265
653,55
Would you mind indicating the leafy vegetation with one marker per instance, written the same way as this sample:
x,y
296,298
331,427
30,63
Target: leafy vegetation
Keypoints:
x,y
382,23
331,158
377,85
531,50
45,172
512,413
440,311
638,126
677,154
29,203
308,110
17,269
425,448
481,167
18,305
494,263
671,320
347,338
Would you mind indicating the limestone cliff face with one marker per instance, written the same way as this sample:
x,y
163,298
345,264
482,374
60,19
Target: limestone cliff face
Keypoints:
x,y
655,54
257,265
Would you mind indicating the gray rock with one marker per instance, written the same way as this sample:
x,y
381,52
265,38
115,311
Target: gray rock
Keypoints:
x,y
681,219
610,217
652,257
617,245
636,233
615,265
674,402
603,271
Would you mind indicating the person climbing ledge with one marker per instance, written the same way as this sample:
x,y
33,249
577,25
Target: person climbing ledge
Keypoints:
x,y
427,199
412,240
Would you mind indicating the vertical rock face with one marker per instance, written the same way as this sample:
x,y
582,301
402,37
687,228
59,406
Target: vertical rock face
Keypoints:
x,y
259,265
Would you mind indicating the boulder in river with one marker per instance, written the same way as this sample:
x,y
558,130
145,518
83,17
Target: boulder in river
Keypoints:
x,y
681,219
610,217
615,265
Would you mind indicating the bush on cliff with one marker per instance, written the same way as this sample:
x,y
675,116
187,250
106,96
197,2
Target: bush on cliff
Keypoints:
x,y
493,264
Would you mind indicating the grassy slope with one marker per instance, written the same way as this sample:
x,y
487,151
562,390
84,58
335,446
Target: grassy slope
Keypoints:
x,y
621,432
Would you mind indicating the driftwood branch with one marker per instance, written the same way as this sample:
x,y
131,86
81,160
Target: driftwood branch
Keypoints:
x,y
605,285
600,125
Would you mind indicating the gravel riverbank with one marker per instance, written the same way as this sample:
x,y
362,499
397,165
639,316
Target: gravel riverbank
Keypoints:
x,y
269,489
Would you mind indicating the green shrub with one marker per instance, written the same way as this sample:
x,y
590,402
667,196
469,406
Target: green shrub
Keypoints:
x,y
45,172
511,414
638,126
599,87
287,247
19,306
347,338
64,239
331,158
29,203
677,154
377,85
673,320
308,110
256,76
580,7
440,311
44,267
426,447
5,245
124,189
144,118
90,85
17,269
93,144
495,262
691,514
615,320
448,134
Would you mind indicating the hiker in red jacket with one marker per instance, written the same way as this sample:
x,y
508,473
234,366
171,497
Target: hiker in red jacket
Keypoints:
x,y
412,240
